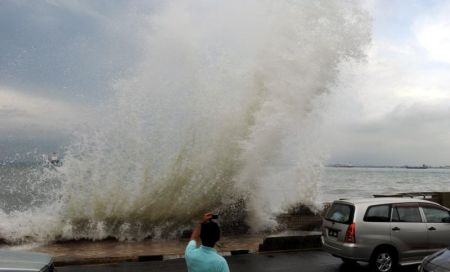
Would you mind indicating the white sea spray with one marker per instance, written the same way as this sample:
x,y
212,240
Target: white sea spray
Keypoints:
x,y
225,107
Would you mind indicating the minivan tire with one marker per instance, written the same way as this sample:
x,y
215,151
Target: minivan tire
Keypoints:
x,y
383,260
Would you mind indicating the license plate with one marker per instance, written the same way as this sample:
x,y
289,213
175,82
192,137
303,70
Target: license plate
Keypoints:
x,y
332,233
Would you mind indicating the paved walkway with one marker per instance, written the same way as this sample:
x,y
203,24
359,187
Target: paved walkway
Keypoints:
x,y
82,252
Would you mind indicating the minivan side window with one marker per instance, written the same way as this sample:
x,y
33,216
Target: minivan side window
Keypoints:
x,y
340,213
379,213
406,212
435,214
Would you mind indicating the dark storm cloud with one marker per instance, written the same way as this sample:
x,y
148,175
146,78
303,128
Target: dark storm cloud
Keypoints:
x,y
66,49
58,60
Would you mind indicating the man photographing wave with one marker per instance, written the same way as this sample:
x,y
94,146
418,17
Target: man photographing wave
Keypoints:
x,y
200,253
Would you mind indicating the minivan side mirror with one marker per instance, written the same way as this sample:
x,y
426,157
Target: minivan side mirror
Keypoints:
x,y
446,219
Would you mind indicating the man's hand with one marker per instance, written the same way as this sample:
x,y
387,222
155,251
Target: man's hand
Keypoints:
x,y
207,217
197,230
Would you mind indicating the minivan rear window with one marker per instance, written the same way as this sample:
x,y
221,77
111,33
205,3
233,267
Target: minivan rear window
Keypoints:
x,y
341,213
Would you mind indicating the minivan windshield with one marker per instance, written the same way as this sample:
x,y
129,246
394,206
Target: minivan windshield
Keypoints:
x,y
341,213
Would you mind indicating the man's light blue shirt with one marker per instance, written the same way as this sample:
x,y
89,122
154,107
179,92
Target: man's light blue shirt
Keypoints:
x,y
204,259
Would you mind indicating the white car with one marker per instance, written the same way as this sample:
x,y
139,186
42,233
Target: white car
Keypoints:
x,y
21,261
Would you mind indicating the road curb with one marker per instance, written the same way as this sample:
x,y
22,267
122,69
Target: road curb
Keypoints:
x,y
68,260
292,240
282,242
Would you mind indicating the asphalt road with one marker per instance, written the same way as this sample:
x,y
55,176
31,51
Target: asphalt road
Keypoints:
x,y
311,261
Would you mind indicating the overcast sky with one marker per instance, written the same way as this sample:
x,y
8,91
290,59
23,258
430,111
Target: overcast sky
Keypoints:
x,y
58,60
397,110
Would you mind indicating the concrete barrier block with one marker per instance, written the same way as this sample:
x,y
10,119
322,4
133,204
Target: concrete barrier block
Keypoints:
x,y
291,240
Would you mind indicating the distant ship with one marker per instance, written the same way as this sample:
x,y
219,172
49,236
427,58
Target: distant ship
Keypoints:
x,y
347,165
52,160
417,167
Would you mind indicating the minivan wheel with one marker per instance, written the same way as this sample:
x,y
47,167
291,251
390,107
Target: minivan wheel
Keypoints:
x,y
383,260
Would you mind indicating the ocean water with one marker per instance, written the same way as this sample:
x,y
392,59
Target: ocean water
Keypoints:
x,y
25,190
23,187
366,182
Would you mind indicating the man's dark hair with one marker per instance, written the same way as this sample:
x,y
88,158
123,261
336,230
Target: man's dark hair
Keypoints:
x,y
210,233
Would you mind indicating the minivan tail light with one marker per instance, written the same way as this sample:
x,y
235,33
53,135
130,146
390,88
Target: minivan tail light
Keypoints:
x,y
350,234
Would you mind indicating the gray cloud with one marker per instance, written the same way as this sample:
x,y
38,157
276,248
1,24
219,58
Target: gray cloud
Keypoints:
x,y
66,49
58,61
410,134
11,112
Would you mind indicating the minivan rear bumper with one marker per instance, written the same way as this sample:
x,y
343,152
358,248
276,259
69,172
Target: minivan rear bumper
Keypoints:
x,y
344,250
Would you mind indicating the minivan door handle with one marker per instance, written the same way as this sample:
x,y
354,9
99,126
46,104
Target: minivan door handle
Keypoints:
x,y
396,228
431,228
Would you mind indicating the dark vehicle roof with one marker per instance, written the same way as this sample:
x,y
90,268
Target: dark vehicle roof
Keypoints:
x,y
442,259
11,260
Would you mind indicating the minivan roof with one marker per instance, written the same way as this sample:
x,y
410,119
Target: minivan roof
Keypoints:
x,y
381,200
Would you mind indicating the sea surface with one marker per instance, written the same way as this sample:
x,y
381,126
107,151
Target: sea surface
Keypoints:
x,y
365,182
23,185
33,203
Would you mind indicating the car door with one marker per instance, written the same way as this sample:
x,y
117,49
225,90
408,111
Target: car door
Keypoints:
x,y
438,225
408,231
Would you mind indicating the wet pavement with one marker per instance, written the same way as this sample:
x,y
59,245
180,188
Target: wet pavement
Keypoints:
x,y
311,261
83,252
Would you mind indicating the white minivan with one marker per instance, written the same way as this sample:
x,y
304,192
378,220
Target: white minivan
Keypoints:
x,y
385,231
